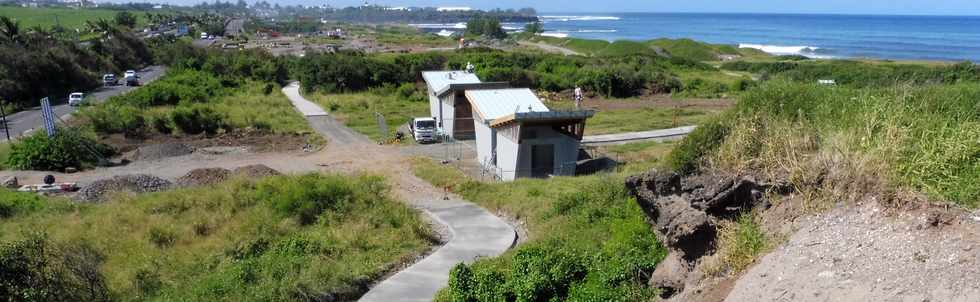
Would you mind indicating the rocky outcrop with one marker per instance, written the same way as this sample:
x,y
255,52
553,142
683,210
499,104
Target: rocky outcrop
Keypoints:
x,y
685,212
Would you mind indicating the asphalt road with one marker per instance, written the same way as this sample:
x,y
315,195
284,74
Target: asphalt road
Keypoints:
x,y
24,122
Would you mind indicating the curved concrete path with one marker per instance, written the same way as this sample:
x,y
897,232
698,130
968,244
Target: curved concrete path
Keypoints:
x,y
474,232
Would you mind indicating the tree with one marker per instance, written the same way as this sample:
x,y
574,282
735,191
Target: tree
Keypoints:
x,y
485,26
126,19
534,27
10,30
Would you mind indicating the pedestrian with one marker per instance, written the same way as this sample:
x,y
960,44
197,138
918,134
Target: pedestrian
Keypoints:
x,y
578,97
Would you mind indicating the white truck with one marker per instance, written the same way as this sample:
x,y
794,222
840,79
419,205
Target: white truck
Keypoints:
x,y
424,129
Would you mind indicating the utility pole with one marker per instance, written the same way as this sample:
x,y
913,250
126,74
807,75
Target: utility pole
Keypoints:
x,y
3,117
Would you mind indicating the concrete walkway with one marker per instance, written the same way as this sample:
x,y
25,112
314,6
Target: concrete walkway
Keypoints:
x,y
631,137
301,104
474,232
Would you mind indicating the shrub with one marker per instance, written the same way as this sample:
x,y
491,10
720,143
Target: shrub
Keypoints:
x,y
35,269
14,203
196,119
686,156
161,238
68,148
308,196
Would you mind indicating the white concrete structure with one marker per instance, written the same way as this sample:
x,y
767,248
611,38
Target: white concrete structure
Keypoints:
x,y
518,136
448,104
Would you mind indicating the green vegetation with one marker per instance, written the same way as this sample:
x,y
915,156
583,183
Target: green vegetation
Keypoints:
x,y
740,242
850,140
4,155
587,240
47,17
486,27
39,62
624,74
67,148
357,110
284,238
630,120
861,74
203,92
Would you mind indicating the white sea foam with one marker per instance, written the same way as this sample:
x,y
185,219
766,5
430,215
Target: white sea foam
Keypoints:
x,y
577,18
597,31
446,33
441,25
809,51
554,34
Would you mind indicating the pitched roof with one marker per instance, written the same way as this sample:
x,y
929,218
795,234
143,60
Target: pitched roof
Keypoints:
x,y
440,80
492,104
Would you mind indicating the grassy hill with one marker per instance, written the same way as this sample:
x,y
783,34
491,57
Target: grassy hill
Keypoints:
x,y
283,238
838,142
49,16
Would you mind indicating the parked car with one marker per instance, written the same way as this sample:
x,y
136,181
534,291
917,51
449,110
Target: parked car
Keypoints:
x,y
132,79
110,80
76,99
423,129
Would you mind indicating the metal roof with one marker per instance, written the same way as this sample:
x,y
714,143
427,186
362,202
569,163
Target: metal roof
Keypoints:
x,y
496,103
546,117
440,80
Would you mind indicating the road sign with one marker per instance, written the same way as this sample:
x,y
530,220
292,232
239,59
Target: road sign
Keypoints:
x,y
48,116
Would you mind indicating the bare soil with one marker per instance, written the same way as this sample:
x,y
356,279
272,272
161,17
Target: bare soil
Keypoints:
x,y
867,252
254,141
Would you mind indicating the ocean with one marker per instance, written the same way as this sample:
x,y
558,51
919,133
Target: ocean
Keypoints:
x,y
946,38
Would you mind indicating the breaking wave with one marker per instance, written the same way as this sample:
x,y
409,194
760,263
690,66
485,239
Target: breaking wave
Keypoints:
x,y
441,25
577,18
809,51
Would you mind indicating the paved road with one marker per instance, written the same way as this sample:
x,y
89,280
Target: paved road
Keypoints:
x,y
632,137
474,231
27,120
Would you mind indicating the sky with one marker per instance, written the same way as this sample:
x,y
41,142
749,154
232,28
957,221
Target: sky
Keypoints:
x,y
888,7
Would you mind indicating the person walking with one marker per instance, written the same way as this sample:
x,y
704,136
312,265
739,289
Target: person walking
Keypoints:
x,y
578,97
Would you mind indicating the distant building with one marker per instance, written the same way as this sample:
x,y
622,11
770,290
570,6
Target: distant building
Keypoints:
x,y
454,9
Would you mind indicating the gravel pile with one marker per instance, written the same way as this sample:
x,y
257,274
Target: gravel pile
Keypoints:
x,y
139,183
203,177
256,171
160,151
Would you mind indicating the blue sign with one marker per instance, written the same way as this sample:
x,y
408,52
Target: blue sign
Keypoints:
x,y
48,116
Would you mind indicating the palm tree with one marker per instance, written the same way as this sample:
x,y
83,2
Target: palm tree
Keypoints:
x,y
10,30
104,27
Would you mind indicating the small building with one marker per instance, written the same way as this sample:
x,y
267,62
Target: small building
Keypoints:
x,y
518,136
448,104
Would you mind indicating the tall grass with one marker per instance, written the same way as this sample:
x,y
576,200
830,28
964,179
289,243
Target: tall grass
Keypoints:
x,y
283,238
4,155
924,138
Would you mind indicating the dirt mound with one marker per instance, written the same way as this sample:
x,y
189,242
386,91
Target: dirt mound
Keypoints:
x,y
160,151
256,171
685,212
203,177
138,183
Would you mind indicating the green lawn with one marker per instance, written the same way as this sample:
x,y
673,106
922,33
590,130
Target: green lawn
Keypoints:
x,y
631,120
49,16
282,238
357,110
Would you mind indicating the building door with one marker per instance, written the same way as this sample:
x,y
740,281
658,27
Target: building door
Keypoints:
x,y
542,160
